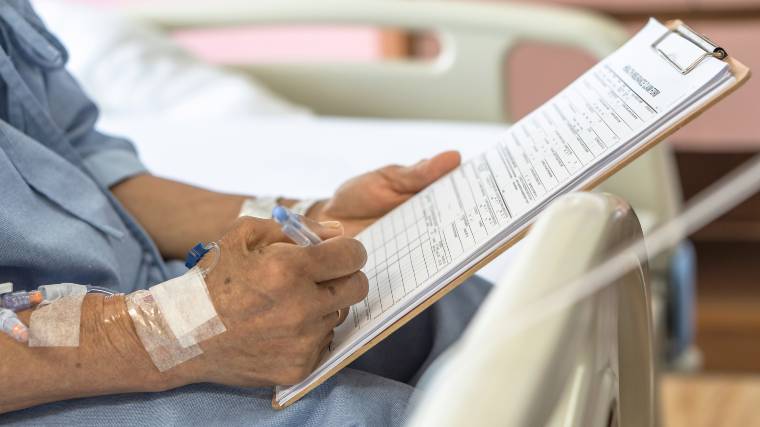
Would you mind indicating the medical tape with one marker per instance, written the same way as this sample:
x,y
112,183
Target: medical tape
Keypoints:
x,y
56,324
187,308
157,338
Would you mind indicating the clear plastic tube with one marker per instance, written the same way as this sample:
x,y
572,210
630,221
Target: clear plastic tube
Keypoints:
x,y
22,300
213,248
100,290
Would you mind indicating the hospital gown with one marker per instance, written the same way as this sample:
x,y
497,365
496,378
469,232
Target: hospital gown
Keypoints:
x,y
60,223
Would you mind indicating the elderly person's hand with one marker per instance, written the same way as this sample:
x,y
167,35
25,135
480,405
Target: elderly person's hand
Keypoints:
x,y
279,302
362,200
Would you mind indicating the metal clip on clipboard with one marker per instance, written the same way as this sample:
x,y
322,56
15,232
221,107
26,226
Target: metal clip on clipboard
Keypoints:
x,y
702,42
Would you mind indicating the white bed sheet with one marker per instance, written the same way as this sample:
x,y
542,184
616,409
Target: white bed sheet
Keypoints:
x,y
297,157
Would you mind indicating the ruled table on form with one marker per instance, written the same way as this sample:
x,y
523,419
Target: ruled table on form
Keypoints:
x,y
455,215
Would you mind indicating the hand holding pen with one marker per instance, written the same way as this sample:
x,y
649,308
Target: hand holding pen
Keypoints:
x,y
295,227
279,302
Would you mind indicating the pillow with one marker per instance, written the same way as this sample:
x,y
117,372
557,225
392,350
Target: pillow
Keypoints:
x,y
131,68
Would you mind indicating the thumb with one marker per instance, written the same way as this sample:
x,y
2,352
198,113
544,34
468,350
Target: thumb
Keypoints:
x,y
258,232
414,178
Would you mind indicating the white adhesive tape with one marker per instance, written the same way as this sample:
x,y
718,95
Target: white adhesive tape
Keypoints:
x,y
187,309
56,324
157,339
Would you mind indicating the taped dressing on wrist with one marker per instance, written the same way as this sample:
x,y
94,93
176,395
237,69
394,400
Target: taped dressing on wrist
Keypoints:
x,y
172,317
187,308
157,338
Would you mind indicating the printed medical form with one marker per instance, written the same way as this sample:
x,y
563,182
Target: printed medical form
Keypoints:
x,y
436,235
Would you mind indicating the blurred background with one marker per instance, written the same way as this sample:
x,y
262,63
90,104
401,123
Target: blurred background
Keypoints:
x,y
715,377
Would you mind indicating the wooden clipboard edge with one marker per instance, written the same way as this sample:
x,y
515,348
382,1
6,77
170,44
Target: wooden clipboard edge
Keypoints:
x,y
741,73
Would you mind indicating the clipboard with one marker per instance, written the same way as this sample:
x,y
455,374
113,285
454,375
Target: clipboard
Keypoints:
x,y
741,74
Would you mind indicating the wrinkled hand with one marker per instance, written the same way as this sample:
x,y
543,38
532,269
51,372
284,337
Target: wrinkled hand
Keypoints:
x,y
279,303
362,200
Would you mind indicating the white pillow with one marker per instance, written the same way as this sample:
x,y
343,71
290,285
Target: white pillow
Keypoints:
x,y
130,68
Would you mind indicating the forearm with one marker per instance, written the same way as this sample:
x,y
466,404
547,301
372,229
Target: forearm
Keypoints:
x,y
176,215
109,359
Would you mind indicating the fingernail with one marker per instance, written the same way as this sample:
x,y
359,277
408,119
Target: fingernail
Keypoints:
x,y
331,224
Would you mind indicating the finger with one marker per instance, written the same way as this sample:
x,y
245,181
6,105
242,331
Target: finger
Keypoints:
x,y
327,323
327,340
318,355
320,323
325,229
336,318
332,319
257,232
343,315
346,291
412,179
324,347
334,258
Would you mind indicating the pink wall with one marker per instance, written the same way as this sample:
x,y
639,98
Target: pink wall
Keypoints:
x,y
732,124
281,44
278,44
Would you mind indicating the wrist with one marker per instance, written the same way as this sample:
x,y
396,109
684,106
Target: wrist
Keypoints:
x,y
135,363
109,316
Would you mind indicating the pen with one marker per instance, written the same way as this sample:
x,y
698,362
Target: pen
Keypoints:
x,y
293,227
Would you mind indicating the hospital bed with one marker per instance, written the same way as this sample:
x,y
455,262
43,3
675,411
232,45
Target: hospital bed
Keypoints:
x,y
457,100
586,363
465,82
